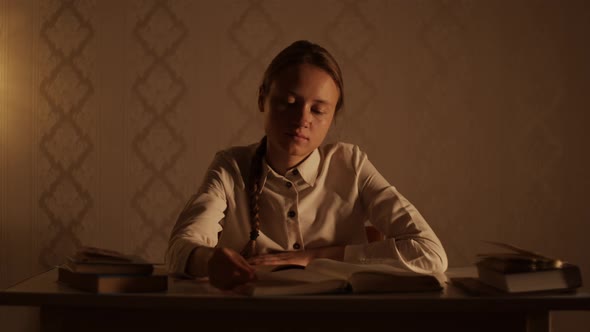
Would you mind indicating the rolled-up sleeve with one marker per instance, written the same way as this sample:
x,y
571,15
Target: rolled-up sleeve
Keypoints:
x,y
198,224
409,241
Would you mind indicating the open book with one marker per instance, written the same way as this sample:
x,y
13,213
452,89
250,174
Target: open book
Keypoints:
x,y
330,276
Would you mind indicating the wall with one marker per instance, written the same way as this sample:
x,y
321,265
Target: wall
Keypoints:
x,y
110,112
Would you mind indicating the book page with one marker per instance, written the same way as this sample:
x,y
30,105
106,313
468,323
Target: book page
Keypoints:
x,y
322,275
345,270
377,278
297,275
291,280
261,269
282,288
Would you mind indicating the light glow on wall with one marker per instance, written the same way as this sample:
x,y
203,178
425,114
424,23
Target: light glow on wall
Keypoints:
x,y
3,72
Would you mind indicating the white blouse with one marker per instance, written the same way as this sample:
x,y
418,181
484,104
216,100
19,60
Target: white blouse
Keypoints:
x,y
324,201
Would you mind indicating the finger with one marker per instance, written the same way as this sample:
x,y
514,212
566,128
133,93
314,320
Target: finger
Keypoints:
x,y
242,270
227,269
230,278
242,264
239,277
236,260
245,276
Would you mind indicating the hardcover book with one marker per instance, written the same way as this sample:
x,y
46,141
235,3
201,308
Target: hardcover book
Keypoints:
x,y
515,280
521,271
322,276
103,261
112,283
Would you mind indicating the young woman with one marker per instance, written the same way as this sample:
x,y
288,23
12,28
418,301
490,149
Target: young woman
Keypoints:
x,y
290,199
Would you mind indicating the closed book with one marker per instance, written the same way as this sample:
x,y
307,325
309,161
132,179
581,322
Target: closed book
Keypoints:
x,y
524,271
330,276
112,283
512,263
566,277
105,261
87,253
110,267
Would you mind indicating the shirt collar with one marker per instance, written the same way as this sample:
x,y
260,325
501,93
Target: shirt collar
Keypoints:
x,y
308,169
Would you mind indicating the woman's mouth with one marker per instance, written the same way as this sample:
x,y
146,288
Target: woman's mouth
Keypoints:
x,y
298,137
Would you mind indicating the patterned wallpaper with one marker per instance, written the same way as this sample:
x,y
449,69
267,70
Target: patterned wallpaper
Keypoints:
x,y
158,89
66,127
473,109
255,35
350,34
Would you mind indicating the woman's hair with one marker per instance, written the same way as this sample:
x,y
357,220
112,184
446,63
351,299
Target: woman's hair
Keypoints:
x,y
298,53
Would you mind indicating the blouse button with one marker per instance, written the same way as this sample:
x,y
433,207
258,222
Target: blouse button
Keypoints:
x,y
295,172
296,246
288,184
291,214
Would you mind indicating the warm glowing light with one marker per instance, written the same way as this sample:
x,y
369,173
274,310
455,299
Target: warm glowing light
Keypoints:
x,y
3,71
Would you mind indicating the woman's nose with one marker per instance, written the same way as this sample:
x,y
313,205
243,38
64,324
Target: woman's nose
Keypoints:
x,y
302,116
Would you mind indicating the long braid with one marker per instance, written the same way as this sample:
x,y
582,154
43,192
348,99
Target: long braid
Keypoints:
x,y
254,195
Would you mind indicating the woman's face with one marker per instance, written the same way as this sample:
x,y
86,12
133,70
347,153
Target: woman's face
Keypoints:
x,y
299,110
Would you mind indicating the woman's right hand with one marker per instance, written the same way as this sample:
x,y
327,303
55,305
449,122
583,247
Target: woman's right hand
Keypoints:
x,y
227,269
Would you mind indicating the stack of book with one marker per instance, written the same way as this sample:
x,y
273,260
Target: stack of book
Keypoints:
x,y
100,270
520,271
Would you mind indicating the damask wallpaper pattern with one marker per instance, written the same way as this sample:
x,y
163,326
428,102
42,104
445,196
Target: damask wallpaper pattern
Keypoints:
x,y
156,144
67,130
110,112
255,35
350,34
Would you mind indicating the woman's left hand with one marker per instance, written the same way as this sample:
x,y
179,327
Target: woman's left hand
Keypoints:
x,y
298,257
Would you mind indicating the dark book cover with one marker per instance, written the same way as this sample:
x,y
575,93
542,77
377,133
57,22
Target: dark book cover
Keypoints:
x,y
517,264
474,287
112,283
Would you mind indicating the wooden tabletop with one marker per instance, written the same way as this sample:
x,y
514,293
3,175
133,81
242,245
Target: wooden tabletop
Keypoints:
x,y
44,290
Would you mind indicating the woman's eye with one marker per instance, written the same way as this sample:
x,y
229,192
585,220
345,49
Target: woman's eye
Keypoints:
x,y
317,111
283,103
